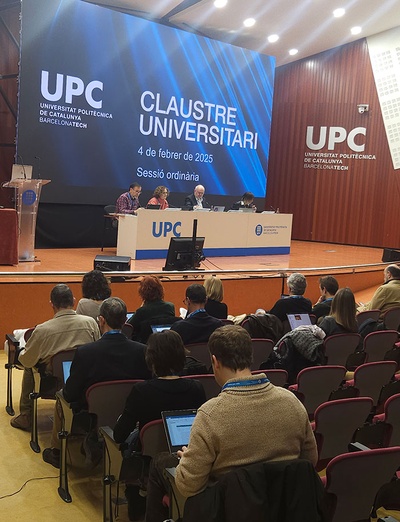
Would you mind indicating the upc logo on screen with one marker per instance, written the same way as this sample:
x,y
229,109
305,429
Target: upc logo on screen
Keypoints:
x,y
74,87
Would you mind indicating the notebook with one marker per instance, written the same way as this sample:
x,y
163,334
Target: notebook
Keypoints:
x,y
66,367
160,327
177,425
296,320
218,208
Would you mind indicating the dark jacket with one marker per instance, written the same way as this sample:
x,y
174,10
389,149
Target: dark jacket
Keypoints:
x,y
216,309
196,328
279,491
141,319
190,202
294,304
112,358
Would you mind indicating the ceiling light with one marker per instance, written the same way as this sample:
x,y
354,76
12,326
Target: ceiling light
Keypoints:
x,y
272,38
356,30
337,13
220,3
292,52
249,22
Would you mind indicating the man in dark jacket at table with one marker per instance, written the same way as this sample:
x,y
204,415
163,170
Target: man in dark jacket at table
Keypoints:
x,y
112,358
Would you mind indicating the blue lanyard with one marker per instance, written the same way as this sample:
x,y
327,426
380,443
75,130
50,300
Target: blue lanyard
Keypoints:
x,y
248,382
110,332
196,312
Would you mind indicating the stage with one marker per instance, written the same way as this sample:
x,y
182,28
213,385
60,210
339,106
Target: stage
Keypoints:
x,y
250,282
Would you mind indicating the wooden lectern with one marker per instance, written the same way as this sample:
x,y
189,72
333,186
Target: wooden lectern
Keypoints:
x,y
28,195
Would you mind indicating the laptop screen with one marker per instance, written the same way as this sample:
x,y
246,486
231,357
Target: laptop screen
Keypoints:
x,y
177,425
218,208
296,320
66,366
160,327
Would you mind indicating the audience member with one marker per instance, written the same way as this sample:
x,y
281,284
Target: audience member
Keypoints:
x,y
196,200
95,289
198,324
160,195
247,201
153,307
66,330
342,318
328,286
165,356
128,202
215,295
387,295
113,357
250,421
294,303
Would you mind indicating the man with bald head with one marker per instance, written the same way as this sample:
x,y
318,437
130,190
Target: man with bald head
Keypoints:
x,y
196,200
387,295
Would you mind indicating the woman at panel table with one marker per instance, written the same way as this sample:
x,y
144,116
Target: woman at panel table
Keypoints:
x,y
160,195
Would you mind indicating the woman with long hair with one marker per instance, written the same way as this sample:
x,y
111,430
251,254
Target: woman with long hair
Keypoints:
x,y
342,318
215,296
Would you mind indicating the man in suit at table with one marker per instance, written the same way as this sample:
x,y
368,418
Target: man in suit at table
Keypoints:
x,y
112,358
196,200
198,324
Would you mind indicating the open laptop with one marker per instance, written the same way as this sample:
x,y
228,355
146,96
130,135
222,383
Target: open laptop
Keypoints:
x,y
153,207
21,172
66,367
160,327
218,208
177,425
296,320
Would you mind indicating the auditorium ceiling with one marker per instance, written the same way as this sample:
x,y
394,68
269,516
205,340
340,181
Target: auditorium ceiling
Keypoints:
x,y
308,26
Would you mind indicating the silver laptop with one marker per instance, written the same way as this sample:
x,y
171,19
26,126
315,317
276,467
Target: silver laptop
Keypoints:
x,y
177,425
21,172
296,320
218,208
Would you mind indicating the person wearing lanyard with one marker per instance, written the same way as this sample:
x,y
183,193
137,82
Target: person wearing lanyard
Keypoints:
x,y
251,420
294,303
112,357
328,286
128,202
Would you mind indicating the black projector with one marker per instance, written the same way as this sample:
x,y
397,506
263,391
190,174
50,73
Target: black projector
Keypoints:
x,y
112,263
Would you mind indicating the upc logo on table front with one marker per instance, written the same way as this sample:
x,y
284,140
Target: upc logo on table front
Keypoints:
x,y
258,230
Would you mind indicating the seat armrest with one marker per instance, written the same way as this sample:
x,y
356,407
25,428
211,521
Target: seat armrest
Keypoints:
x,y
112,452
67,411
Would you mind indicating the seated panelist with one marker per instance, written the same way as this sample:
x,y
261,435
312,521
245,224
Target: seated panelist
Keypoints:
x,y
160,195
247,201
196,200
